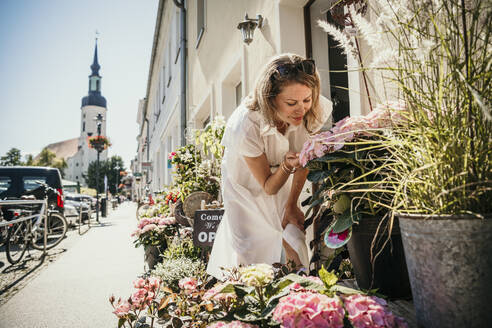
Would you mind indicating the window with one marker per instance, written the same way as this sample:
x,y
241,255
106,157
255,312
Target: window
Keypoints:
x,y
169,63
200,20
84,116
76,177
83,126
177,34
239,93
30,183
5,183
162,85
77,164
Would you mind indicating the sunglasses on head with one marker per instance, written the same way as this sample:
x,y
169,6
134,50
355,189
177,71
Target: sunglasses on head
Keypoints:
x,y
307,66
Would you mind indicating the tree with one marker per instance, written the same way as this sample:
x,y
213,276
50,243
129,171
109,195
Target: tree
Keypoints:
x,y
29,160
46,158
61,165
11,158
110,168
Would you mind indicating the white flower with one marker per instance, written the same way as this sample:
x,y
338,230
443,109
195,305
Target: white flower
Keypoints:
x,y
257,274
345,43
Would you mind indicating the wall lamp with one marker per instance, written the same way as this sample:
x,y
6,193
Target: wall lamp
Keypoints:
x,y
248,26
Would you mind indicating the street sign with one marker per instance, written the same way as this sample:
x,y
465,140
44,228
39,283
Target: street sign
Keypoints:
x,y
205,226
147,164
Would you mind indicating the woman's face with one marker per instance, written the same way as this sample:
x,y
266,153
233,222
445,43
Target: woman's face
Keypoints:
x,y
293,103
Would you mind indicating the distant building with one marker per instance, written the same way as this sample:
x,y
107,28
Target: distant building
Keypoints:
x,y
75,151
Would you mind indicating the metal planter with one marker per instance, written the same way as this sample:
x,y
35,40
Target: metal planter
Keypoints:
x,y
449,260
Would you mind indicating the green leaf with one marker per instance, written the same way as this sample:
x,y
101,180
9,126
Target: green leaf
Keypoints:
x,y
328,278
343,222
242,291
344,290
121,322
316,176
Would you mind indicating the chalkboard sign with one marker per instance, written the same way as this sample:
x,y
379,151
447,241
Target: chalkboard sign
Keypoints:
x,y
205,226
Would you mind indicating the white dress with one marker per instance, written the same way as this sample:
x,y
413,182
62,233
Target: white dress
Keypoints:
x,y
251,231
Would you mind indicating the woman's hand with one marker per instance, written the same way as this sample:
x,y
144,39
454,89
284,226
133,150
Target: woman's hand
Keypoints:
x,y
291,160
293,215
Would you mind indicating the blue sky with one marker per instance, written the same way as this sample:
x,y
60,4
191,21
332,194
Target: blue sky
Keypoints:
x,y
46,48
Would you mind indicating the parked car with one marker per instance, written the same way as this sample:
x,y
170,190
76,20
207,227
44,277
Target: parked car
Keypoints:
x,y
81,203
71,213
16,181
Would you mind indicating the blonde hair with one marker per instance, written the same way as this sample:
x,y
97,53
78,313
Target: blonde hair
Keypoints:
x,y
269,84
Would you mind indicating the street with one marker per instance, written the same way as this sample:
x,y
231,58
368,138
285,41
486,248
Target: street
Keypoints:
x,y
71,287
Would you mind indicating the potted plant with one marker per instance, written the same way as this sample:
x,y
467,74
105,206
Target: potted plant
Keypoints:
x,y
348,163
99,143
440,59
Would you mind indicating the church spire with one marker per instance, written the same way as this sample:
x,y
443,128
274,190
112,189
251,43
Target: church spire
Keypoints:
x,y
94,97
95,65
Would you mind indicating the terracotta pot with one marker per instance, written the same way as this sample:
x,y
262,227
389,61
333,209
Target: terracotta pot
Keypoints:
x,y
390,275
449,261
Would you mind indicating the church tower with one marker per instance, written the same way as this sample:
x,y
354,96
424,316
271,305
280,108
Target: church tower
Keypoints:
x,y
92,105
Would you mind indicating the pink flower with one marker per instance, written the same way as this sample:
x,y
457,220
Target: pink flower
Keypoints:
x,y
171,155
188,284
370,312
153,284
139,283
167,221
122,308
149,227
310,310
232,324
139,299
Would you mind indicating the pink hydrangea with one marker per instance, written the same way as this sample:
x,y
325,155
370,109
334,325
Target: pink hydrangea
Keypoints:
x,y
188,284
310,310
370,312
122,308
232,324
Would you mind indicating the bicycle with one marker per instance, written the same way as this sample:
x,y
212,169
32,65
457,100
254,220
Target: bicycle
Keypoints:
x,y
23,232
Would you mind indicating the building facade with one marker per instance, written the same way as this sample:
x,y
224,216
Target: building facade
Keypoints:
x,y
221,68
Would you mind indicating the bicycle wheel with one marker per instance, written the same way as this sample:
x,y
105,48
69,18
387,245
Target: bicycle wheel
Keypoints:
x,y
57,228
16,242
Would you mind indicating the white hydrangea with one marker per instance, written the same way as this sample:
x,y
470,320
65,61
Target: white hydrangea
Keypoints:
x,y
256,275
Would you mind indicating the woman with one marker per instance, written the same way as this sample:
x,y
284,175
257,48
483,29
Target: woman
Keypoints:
x,y
261,175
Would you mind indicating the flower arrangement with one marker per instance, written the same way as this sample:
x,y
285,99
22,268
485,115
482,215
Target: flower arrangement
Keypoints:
x,y
349,163
172,270
191,173
154,231
144,298
99,143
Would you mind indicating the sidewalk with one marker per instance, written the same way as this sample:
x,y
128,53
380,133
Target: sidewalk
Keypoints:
x,y
74,290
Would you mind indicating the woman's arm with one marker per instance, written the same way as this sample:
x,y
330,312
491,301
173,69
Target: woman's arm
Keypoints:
x,y
293,213
272,182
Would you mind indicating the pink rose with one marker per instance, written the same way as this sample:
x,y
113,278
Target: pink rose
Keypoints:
x,y
153,284
122,308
